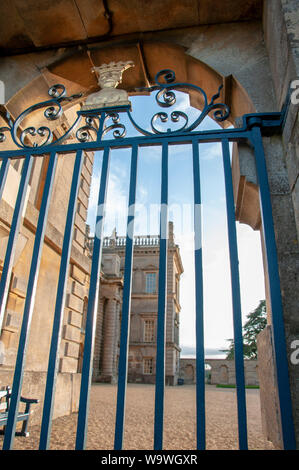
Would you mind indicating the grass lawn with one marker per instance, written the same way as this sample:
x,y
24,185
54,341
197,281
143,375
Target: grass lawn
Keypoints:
x,y
234,386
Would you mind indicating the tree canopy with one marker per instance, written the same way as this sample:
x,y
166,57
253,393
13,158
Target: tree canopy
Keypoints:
x,y
256,322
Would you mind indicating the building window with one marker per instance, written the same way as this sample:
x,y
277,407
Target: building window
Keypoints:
x,y
148,365
150,284
149,331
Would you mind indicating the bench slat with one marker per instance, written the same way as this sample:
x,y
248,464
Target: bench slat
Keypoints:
x,y
21,417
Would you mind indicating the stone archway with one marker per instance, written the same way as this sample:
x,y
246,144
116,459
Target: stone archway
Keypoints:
x,y
233,95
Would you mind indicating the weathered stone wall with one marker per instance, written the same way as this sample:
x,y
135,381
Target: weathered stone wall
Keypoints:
x,y
281,32
222,371
68,381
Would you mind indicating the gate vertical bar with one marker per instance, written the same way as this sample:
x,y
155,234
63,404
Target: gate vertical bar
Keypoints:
x,y
126,306
13,234
92,307
3,175
59,305
162,304
200,354
280,349
29,304
236,299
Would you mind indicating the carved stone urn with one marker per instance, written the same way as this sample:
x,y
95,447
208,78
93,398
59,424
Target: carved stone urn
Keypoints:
x,y
109,77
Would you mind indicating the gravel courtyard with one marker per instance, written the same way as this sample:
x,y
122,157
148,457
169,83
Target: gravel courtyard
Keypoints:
x,y
179,430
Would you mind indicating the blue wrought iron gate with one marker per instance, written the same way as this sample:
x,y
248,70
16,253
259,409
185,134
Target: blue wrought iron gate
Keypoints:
x,y
95,123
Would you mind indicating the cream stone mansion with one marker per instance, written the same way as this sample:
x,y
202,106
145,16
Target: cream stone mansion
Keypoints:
x,y
142,345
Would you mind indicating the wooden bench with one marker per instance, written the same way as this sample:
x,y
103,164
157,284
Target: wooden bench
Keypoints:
x,y
5,396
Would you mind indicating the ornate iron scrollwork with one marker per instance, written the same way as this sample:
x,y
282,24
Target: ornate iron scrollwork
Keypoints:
x,y
166,98
119,130
52,112
99,122
83,134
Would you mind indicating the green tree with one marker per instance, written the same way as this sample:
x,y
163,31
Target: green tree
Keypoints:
x,y
256,322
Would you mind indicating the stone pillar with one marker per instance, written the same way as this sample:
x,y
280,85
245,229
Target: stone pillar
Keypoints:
x,y
109,333
247,211
288,256
280,24
271,422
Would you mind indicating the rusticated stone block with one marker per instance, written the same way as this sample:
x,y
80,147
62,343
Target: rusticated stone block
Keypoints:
x,y
13,319
80,223
15,303
78,290
75,303
19,286
72,333
83,198
79,237
86,175
68,364
75,319
72,350
82,211
85,186
78,274
88,165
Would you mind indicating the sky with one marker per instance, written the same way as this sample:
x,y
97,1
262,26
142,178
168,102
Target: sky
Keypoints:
x,y
216,272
